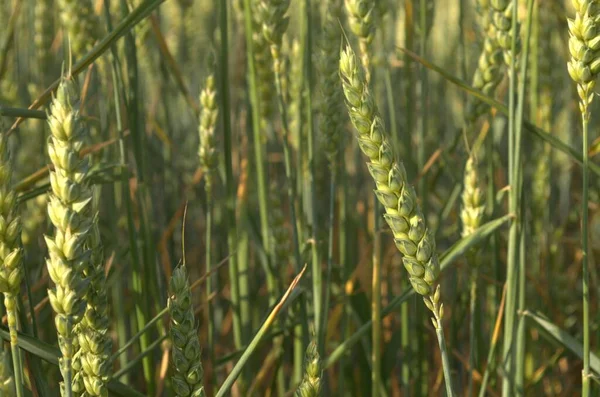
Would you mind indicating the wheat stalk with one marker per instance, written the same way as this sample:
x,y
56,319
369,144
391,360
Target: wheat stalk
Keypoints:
x,y
583,67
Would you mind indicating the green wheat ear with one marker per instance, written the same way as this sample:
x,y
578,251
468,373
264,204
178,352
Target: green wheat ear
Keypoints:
x,y
11,253
360,18
274,24
44,34
69,209
81,24
501,15
473,205
186,352
584,43
330,122
403,213
311,382
208,119
95,343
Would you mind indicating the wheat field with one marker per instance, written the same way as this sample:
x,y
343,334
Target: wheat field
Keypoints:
x,y
299,198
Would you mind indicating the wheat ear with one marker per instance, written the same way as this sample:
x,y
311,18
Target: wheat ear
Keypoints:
x,y
403,214
208,120
360,18
69,209
311,382
11,255
186,352
81,24
95,344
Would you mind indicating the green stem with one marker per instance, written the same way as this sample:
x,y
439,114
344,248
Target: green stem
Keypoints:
x,y
376,305
11,301
439,330
513,237
209,287
472,328
66,367
139,334
229,181
124,196
332,188
486,374
300,332
521,342
389,90
135,361
30,304
422,336
491,362
290,191
317,274
343,226
141,270
586,374
423,103
405,338
256,132
517,193
490,205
